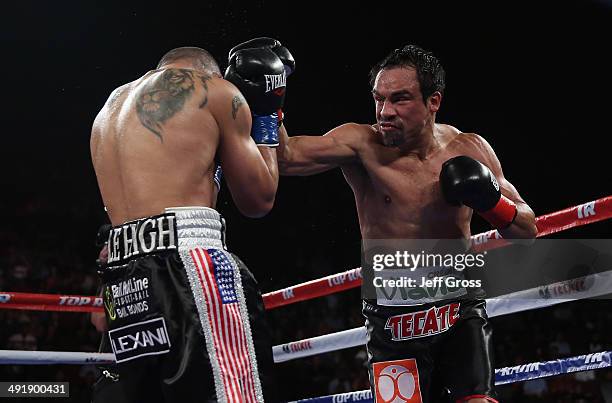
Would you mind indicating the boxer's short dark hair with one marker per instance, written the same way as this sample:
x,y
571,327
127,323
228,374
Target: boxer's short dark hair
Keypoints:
x,y
430,72
200,57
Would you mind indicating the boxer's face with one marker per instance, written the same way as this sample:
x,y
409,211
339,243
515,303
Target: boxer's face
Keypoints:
x,y
401,113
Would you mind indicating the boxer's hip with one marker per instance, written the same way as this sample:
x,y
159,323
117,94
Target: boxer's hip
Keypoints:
x,y
176,227
171,286
147,287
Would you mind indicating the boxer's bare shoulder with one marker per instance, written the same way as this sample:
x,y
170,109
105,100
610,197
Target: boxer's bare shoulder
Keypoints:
x,y
475,146
165,93
356,135
116,95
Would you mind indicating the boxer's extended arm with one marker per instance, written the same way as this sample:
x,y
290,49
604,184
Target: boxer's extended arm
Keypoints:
x,y
309,155
251,172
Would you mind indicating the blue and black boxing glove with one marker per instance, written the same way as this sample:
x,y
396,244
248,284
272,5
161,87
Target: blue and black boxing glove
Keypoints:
x,y
259,68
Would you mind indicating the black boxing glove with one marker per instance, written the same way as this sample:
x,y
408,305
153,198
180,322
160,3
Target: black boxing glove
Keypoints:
x,y
467,181
259,68
272,44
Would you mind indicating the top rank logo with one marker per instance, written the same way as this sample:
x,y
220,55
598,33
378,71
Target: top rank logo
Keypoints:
x,y
586,210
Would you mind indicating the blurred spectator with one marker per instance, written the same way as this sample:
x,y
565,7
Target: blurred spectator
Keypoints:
x,y
535,388
41,258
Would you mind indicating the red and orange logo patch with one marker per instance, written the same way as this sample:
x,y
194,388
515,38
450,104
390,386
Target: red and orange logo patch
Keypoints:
x,y
397,381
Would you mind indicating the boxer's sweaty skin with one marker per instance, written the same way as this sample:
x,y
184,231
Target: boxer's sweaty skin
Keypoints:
x,y
155,144
405,189
396,188
393,169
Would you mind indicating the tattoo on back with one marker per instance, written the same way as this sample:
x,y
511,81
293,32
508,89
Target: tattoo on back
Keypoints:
x,y
237,102
204,79
166,95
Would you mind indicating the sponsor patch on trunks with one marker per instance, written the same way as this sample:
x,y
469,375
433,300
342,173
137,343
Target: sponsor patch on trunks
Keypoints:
x,y
140,339
397,381
432,321
128,297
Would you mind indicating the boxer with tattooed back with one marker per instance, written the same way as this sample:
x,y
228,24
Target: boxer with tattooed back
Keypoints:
x,y
184,314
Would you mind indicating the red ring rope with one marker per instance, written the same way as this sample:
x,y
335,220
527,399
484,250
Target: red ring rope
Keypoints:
x,y
571,217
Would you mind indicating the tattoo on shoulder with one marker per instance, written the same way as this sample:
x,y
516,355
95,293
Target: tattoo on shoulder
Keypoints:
x,y
204,78
163,97
237,102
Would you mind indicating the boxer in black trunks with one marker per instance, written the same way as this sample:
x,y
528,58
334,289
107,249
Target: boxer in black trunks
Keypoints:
x,y
414,178
182,311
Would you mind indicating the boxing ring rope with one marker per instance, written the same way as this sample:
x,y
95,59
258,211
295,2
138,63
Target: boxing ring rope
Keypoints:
x,y
21,357
576,216
503,376
571,217
584,287
50,302
591,286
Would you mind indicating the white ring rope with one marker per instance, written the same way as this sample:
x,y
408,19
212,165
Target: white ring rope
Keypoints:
x,y
591,286
18,357
503,376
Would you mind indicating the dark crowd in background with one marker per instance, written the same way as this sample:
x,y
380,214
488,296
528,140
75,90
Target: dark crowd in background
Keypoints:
x,y
531,77
47,257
